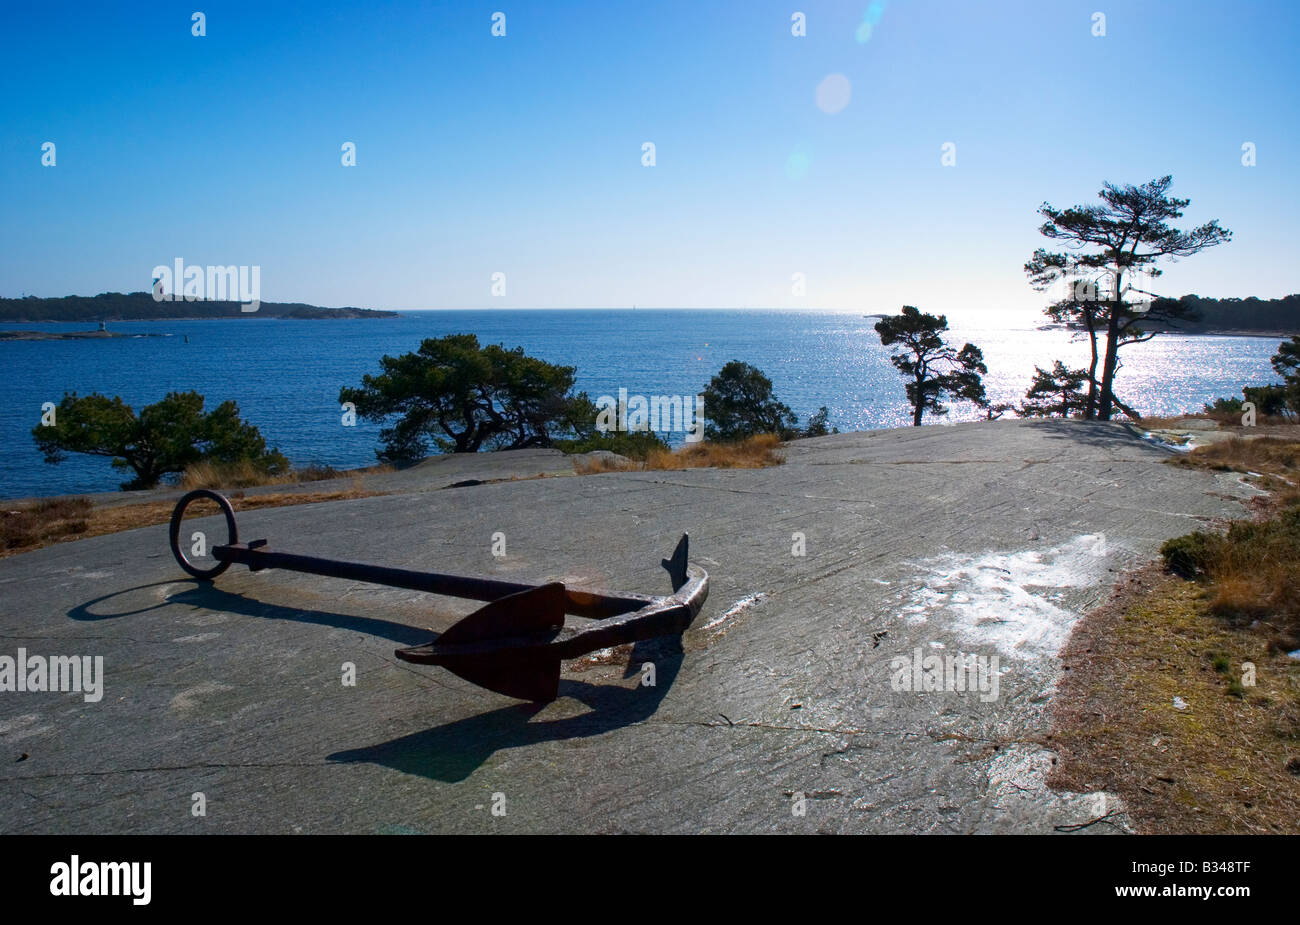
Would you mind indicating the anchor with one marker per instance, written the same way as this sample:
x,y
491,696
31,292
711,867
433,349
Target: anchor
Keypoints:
x,y
514,644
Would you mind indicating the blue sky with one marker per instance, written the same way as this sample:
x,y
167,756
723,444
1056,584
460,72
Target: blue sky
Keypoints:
x,y
523,154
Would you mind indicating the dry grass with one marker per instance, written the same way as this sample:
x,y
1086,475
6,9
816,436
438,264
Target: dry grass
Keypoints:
x,y
1227,762
1168,423
44,522
751,453
596,464
232,475
1251,572
58,523
1276,456
1273,423
245,475
49,521
757,452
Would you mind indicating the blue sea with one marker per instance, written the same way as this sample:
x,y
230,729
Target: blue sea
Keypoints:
x,y
286,375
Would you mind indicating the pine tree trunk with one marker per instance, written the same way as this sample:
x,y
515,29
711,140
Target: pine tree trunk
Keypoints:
x,y
1107,404
1090,409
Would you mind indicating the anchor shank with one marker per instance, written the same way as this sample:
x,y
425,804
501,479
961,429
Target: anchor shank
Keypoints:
x,y
593,604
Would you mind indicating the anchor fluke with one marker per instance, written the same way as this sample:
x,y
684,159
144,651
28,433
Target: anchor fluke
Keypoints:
x,y
536,610
676,565
528,616
535,678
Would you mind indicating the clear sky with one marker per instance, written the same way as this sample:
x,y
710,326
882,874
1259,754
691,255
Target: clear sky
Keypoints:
x,y
522,154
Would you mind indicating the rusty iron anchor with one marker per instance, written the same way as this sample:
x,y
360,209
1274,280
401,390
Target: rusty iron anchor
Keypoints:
x,y
514,644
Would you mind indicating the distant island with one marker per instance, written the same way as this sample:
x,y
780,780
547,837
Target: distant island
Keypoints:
x,y
1233,316
140,306
1194,314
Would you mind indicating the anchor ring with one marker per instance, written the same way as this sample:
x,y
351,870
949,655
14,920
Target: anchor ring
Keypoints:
x,y
174,531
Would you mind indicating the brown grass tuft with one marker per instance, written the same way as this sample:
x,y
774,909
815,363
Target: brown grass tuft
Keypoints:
x,y
1246,596
1251,573
596,464
756,452
242,474
1271,455
1224,420
752,453
54,521
245,475
42,522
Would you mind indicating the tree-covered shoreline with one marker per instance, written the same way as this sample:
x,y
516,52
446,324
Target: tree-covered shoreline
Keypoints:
x,y
141,306
1205,315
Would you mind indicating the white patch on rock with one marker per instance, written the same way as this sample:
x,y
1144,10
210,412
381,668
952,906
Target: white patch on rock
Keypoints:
x,y
1020,773
22,727
736,609
1008,601
201,637
189,699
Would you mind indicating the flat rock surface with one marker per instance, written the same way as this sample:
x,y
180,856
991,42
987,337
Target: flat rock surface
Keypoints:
x,y
988,539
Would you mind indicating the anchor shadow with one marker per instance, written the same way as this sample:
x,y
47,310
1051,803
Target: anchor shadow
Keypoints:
x,y
453,751
205,594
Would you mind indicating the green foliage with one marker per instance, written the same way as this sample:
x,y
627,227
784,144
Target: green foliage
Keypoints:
x,y
464,398
1192,554
636,444
1248,547
1110,248
817,425
1287,359
738,403
936,370
1224,406
1287,363
1268,399
1056,393
1200,313
162,440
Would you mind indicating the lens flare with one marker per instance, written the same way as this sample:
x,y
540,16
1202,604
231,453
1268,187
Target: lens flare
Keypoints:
x,y
833,93
869,21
